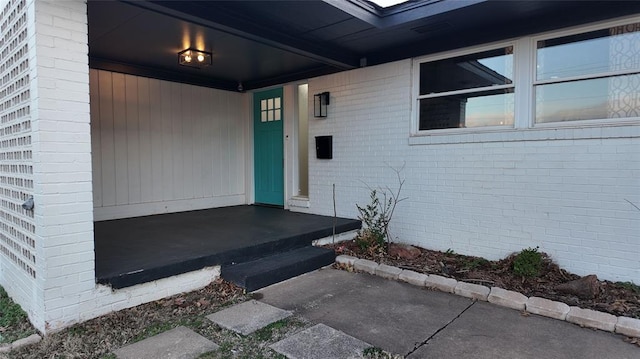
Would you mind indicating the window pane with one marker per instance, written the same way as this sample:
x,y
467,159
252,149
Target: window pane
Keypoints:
x,y
483,69
614,49
486,108
611,97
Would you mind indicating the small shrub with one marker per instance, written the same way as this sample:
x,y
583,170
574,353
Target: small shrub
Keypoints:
x,y
374,237
370,242
374,230
528,263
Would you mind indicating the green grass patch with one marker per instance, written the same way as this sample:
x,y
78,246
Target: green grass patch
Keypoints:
x,y
476,263
629,286
193,322
14,323
253,346
377,353
265,334
155,329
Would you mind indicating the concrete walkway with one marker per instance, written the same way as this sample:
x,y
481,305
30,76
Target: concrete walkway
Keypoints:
x,y
354,311
419,323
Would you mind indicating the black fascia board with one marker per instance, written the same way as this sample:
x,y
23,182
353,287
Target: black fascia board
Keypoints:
x,y
362,10
555,18
191,79
423,9
398,14
290,77
227,22
162,74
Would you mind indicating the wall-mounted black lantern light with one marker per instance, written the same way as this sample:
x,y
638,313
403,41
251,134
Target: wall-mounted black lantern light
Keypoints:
x,y
320,103
194,58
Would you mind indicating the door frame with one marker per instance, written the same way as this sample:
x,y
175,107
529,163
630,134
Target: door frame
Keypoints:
x,y
290,108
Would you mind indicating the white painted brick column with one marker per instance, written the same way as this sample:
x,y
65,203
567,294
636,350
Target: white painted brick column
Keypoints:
x,y
59,72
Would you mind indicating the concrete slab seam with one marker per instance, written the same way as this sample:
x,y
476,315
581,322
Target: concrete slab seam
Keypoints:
x,y
509,299
439,330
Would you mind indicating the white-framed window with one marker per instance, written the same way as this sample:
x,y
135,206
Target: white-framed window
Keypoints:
x,y
592,75
471,90
581,77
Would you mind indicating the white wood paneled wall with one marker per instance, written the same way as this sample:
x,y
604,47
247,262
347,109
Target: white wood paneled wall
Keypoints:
x,y
160,146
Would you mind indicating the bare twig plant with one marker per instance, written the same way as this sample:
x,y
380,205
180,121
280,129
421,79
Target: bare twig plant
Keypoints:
x,y
375,235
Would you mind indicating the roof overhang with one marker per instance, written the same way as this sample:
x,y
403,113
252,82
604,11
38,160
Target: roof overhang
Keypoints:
x,y
264,43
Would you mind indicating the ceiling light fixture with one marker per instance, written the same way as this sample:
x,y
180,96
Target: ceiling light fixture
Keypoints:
x,y
194,58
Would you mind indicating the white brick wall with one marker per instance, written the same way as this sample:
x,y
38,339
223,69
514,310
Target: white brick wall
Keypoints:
x,y
18,255
62,157
486,195
93,301
64,291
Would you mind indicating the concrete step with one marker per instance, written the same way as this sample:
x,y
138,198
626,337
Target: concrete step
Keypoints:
x,y
277,267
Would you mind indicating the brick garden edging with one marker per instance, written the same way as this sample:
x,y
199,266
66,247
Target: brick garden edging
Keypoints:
x,y
505,298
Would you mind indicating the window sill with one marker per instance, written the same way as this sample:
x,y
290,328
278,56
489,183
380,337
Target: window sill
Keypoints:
x,y
627,129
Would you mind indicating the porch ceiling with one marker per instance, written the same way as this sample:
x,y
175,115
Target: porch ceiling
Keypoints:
x,y
263,43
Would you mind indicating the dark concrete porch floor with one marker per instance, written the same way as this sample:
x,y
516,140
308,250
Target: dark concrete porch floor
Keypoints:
x,y
137,250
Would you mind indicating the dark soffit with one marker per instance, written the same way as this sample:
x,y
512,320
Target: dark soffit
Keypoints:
x,y
265,43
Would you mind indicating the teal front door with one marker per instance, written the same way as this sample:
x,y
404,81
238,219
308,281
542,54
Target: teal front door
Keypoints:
x,y
268,147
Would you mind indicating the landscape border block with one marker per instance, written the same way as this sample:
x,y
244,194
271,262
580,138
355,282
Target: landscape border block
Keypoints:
x,y
547,308
412,277
507,298
628,326
346,260
30,340
441,283
592,319
473,291
365,265
388,272
502,297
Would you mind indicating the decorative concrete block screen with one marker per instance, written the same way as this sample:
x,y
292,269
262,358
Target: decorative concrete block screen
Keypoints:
x,y
17,228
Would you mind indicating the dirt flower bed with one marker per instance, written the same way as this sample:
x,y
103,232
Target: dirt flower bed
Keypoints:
x,y
98,337
620,299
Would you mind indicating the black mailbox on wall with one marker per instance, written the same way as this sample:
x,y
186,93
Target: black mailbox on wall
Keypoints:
x,y
324,147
